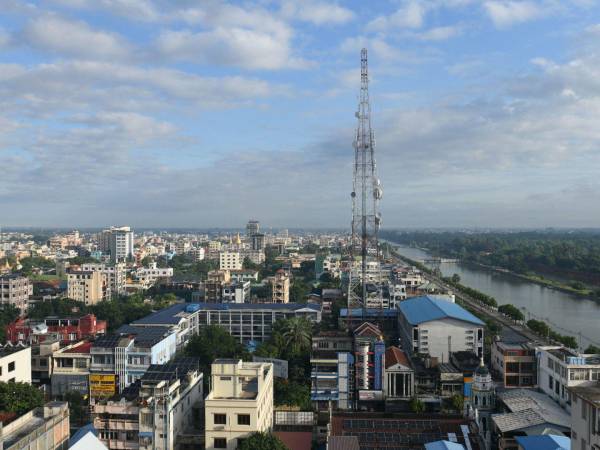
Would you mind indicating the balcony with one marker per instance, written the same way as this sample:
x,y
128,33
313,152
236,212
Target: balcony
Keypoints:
x,y
122,445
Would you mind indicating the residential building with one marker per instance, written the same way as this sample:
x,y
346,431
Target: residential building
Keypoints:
x,y
253,321
160,411
15,290
528,412
213,287
236,292
214,247
149,276
70,329
230,261
281,287
399,376
15,363
397,294
129,352
198,253
585,416
44,428
332,370
437,327
41,360
116,275
118,241
71,369
255,256
244,275
515,363
240,402
560,368
88,287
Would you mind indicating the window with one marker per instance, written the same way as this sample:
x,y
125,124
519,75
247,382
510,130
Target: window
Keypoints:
x,y
584,410
11,366
243,419
550,382
220,419
220,443
550,364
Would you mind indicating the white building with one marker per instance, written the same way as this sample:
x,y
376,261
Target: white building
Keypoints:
x,y
399,375
198,253
439,327
230,261
585,416
397,294
148,276
116,275
15,290
118,241
236,292
240,402
560,368
15,364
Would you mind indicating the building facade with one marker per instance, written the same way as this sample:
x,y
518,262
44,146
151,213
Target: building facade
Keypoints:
x,y
88,287
15,364
515,363
240,402
585,416
70,329
116,275
44,428
15,290
281,287
71,369
230,261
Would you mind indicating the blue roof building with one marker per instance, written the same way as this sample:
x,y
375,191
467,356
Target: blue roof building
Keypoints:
x,y
444,445
544,442
438,327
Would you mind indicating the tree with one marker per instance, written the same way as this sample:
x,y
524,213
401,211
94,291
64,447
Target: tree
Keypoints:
x,y
298,333
8,314
592,350
458,402
456,278
511,311
417,406
262,441
291,393
248,264
147,260
78,414
299,291
18,398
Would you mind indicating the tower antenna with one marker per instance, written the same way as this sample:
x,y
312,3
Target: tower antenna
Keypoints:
x,y
366,219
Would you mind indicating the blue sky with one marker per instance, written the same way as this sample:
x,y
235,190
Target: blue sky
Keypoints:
x,y
207,113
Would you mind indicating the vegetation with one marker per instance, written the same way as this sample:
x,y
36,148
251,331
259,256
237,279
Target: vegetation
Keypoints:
x,y
36,262
8,314
78,409
416,405
458,402
511,311
592,350
566,255
262,441
18,398
213,342
473,293
543,329
186,268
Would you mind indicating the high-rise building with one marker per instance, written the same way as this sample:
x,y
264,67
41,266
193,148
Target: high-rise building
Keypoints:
x,y
15,290
281,287
118,241
230,261
240,402
213,287
258,241
115,273
88,287
252,227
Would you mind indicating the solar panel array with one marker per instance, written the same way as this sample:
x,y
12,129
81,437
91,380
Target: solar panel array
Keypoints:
x,y
171,370
402,434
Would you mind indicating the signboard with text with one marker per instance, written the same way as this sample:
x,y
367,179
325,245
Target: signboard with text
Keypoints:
x,y
103,385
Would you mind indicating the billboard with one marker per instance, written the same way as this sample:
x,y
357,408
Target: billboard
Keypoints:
x,y
370,395
280,366
103,385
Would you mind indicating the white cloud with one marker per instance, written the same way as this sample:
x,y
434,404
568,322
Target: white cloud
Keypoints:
x,y
440,33
65,37
410,15
505,13
238,47
317,12
136,9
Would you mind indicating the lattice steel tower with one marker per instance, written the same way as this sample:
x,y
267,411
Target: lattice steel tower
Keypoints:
x,y
364,288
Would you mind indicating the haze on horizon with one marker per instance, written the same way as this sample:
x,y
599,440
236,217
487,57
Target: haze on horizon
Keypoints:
x,y
206,113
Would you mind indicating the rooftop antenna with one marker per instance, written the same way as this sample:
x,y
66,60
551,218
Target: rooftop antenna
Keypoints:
x,y
366,193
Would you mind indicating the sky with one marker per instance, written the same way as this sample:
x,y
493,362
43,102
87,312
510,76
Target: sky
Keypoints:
x,y
206,113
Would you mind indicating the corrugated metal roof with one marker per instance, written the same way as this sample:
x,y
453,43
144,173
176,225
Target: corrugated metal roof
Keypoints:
x,y
418,310
444,445
546,442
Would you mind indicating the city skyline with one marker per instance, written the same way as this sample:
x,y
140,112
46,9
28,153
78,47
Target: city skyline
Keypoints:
x,y
204,114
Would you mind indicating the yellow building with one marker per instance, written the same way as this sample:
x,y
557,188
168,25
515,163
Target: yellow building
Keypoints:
x,y
240,402
90,287
281,287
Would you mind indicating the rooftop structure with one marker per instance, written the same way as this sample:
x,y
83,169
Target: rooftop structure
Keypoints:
x,y
45,428
418,310
544,442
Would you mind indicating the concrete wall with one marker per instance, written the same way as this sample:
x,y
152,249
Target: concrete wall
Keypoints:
x,y
22,366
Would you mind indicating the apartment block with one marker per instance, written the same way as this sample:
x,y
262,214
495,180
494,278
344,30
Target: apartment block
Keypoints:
x,y
515,363
88,287
44,428
15,364
240,402
116,275
71,369
281,287
15,290
230,261
70,329
213,287
585,416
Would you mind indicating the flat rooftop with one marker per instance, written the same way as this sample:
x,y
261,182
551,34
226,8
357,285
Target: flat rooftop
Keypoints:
x,y
589,392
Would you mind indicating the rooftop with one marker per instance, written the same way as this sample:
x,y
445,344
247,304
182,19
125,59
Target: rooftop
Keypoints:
x,y
544,442
588,391
419,310
393,356
83,347
9,349
444,445
369,312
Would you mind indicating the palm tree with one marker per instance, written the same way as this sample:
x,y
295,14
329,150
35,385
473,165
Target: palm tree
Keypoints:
x,y
297,331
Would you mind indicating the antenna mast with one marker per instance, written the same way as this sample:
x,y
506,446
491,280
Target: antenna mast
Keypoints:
x,y
366,219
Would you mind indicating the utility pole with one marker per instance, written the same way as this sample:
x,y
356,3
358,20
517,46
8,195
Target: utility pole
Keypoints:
x,y
366,193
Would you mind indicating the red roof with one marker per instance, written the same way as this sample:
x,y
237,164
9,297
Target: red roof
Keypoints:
x,y
393,355
82,348
295,440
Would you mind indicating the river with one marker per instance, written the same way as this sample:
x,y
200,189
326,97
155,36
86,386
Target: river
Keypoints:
x,y
565,313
